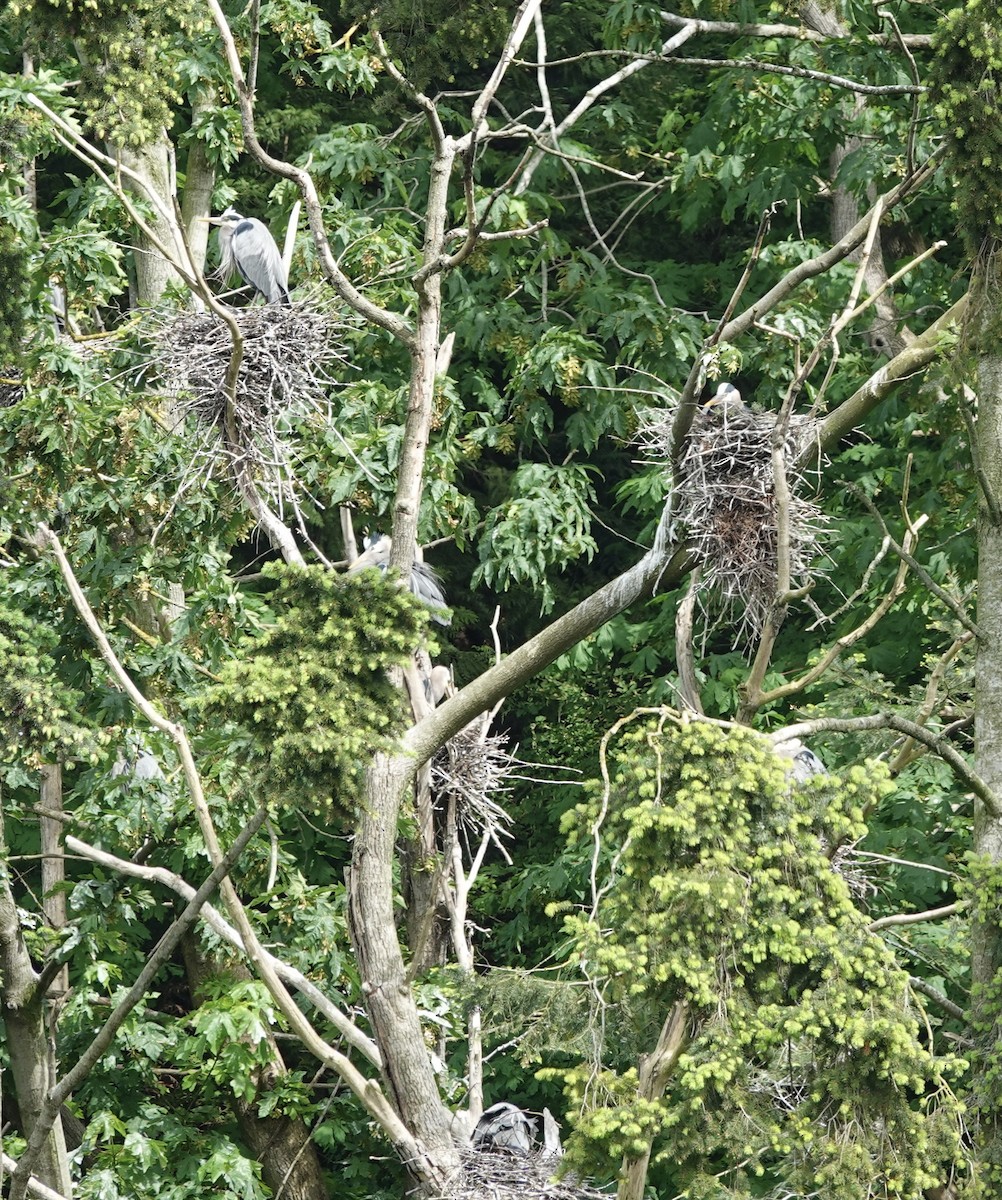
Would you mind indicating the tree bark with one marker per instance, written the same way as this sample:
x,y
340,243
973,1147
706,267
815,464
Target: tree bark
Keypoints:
x,y
410,1081
53,861
153,164
32,1056
986,935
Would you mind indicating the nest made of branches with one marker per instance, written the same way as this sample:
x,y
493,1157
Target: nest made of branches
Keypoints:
x,y
294,359
470,770
486,1175
726,501
11,386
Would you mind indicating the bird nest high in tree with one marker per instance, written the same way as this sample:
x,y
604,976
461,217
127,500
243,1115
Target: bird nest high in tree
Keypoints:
x,y
292,359
728,502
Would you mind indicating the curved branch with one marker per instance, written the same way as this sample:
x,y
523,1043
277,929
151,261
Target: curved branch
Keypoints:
x,y
220,926
391,322
800,33
932,914
967,775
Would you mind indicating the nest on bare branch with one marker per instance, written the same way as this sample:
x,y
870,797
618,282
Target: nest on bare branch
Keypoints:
x,y
294,358
507,1177
726,501
470,770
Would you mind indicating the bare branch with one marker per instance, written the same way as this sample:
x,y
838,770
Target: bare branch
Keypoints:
x,y
391,322
839,81
937,997
906,556
908,753
86,1062
966,774
800,33
932,914
835,651
223,929
593,94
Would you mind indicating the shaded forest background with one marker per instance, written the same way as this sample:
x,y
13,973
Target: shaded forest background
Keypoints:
x,y
645,207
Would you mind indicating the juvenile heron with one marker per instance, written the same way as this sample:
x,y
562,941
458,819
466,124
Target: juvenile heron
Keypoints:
x,y
246,246
424,582
805,762
727,398
505,1127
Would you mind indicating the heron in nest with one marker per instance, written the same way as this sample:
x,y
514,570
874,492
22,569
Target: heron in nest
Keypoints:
x,y
804,762
726,399
247,248
504,1127
424,583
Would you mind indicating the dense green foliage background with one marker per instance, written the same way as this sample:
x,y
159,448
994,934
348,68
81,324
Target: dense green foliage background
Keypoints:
x,y
536,494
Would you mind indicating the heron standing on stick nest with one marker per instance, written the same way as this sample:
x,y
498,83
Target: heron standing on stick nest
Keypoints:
x,y
246,247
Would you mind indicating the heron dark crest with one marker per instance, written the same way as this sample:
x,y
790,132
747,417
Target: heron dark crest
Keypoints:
x,y
424,583
247,248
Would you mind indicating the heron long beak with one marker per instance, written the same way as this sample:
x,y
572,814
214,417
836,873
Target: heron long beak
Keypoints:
x,y
211,220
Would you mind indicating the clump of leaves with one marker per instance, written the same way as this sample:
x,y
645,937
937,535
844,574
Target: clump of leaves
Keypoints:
x,y
801,1059
313,694
36,709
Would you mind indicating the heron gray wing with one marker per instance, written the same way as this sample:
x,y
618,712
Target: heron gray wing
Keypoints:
x,y
258,260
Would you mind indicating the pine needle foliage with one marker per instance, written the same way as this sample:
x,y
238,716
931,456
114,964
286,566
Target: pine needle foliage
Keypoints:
x,y
313,695
803,1068
36,708
965,78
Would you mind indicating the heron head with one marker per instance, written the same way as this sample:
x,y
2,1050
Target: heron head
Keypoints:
x,y
227,219
726,393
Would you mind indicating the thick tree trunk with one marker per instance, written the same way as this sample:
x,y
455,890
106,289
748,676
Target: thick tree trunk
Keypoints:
x,y
887,334
53,862
199,180
283,1146
653,1076
152,164
410,1080
32,1058
986,935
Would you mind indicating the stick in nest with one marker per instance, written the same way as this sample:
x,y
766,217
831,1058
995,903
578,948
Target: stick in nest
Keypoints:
x,y
505,1177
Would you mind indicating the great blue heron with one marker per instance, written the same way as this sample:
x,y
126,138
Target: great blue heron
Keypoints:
x,y
727,397
503,1126
423,582
805,762
246,246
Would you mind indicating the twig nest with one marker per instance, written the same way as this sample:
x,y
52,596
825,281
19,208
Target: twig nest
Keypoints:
x,y
470,770
507,1177
294,360
726,501
292,357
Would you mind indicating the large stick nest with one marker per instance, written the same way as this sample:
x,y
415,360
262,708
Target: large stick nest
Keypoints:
x,y
470,769
726,501
294,359
491,1176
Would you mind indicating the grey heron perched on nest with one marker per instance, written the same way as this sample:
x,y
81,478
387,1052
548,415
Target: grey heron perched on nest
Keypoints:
x,y
424,583
506,1128
246,247
726,399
